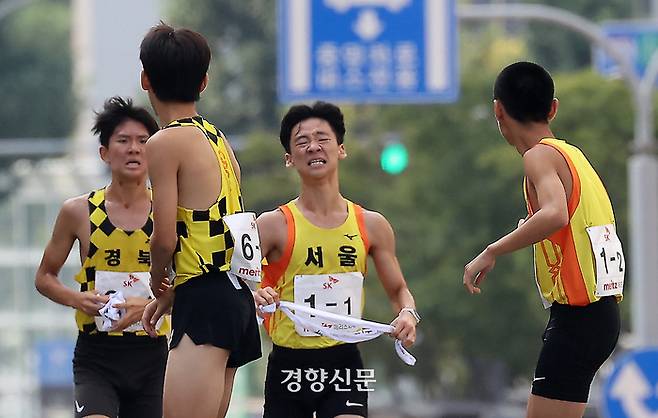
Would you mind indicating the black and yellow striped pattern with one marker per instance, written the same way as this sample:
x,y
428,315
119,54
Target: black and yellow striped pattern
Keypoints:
x,y
112,249
204,241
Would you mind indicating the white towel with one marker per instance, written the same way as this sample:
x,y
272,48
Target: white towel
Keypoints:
x,y
109,313
339,327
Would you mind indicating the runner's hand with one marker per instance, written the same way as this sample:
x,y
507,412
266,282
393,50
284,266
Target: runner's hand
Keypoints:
x,y
266,296
155,309
405,328
90,302
476,271
134,308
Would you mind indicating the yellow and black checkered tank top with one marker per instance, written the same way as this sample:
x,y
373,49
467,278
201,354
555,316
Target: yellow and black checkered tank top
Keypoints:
x,y
204,241
112,249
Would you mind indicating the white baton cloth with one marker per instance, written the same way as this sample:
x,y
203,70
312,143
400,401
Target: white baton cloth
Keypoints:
x,y
109,315
338,327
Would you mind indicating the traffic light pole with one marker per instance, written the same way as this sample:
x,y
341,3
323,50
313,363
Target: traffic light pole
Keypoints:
x,y
642,164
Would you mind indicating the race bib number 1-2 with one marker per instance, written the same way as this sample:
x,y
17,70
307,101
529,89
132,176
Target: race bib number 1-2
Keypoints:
x,y
609,260
246,260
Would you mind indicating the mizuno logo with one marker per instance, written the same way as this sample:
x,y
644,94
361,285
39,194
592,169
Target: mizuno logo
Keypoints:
x,y
78,407
351,237
537,379
348,403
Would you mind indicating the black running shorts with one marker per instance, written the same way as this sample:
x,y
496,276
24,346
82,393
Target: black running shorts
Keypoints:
x,y
211,311
577,340
119,376
328,381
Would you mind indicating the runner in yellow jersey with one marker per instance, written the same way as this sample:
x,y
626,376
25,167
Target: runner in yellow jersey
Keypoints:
x,y
196,195
579,262
317,247
117,369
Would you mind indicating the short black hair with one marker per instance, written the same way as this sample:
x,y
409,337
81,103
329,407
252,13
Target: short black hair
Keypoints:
x,y
526,90
175,62
117,110
321,110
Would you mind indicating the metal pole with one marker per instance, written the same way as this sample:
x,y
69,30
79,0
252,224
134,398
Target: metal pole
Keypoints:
x,y
643,196
642,165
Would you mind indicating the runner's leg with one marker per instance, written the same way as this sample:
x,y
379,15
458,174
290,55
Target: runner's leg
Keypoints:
x,y
194,379
540,407
228,389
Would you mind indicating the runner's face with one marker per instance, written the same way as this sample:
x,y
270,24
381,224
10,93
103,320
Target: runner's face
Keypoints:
x,y
314,148
125,153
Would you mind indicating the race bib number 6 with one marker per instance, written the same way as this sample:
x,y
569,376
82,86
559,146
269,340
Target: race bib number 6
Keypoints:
x,y
609,260
246,260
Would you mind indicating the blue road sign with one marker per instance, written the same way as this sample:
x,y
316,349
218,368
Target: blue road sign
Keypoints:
x,y
54,359
636,39
631,391
377,51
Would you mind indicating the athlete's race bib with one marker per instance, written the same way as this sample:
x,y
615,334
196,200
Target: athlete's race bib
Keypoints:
x,y
339,293
130,285
246,260
610,262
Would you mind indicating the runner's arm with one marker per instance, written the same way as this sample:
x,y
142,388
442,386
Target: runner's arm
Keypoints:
x,y
163,164
273,236
541,171
552,214
54,256
382,251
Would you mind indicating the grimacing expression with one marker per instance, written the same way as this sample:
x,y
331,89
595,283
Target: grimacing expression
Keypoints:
x,y
125,153
314,148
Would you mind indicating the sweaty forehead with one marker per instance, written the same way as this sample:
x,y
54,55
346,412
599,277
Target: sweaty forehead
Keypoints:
x,y
312,126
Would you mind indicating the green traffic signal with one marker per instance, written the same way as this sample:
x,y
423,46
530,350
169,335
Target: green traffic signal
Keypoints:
x,y
394,158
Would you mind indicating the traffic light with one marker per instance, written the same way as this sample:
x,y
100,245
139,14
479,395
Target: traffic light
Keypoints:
x,y
394,158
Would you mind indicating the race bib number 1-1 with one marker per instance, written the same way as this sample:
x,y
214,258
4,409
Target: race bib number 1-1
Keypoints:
x,y
338,293
610,262
246,260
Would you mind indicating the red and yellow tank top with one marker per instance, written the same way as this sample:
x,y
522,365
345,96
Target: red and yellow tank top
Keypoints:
x,y
117,260
311,250
204,241
565,268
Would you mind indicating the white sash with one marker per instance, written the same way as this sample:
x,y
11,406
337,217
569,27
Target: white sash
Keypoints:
x,y
338,327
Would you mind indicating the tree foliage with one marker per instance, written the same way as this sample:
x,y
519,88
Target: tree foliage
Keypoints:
x,y
35,75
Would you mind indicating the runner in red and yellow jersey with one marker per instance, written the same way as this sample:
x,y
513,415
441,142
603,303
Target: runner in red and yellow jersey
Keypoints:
x,y
579,262
317,247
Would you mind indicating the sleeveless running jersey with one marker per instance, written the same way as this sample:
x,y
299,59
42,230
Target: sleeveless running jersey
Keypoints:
x,y
204,241
114,251
565,269
311,250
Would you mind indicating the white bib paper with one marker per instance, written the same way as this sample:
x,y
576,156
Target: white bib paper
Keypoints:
x,y
338,293
130,285
609,260
246,260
